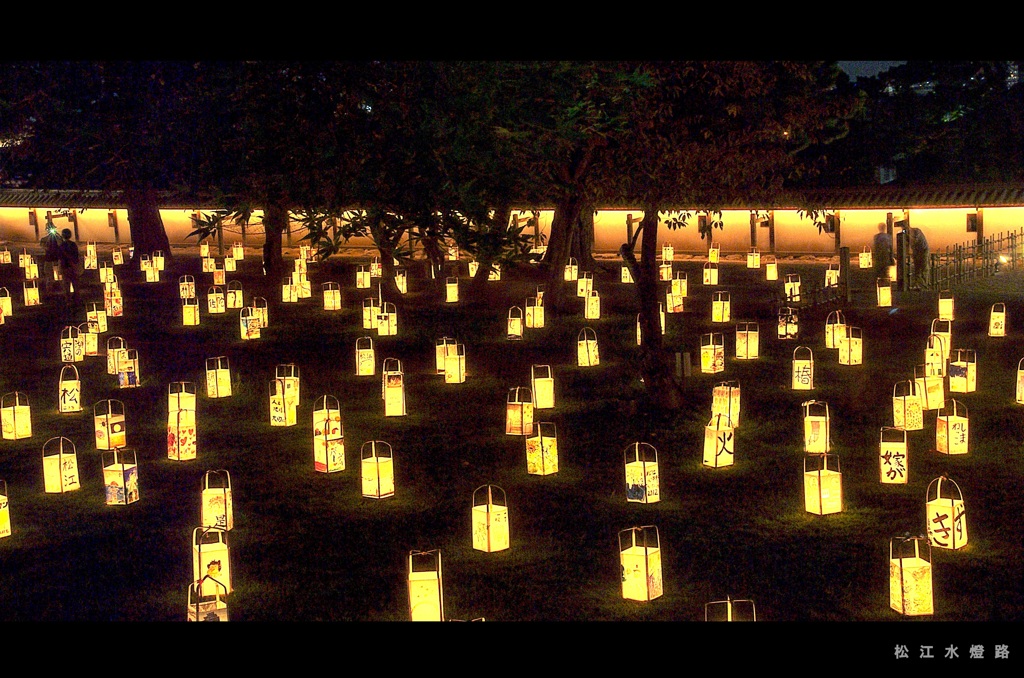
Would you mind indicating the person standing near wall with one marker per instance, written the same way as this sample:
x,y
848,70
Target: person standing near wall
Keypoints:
x,y
50,243
919,257
881,252
68,260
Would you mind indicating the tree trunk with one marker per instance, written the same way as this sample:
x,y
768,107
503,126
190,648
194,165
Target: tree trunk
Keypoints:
x,y
435,259
585,238
663,393
147,228
275,222
486,257
389,288
563,226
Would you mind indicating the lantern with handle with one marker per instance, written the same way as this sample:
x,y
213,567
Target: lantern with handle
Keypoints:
x,y
113,303
109,424
237,252
60,466
402,280
823,484
181,395
892,456
190,312
207,262
117,351
534,313
710,273
181,435
721,307
754,258
747,341
640,563
789,323
930,387
97,314
218,377
366,357
771,268
514,330
128,375
289,291
865,259
289,373
15,416
120,477
725,400
474,267
328,436
6,307
377,469
910,576
572,270
592,306
215,303
387,321
712,353
584,284
542,449
934,356
641,460
69,393
5,511
249,323
542,384
204,250
625,276
158,260
1019,391
186,287
851,346
715,253
455,365
300,281
907,411
719,442
944,329
216,506
835,327
963,371
665,271
519,412
997,320
673,302
832,275
235,298
668,252
371,313
946,305
451,289
883,292
945,515
280,413
441,349
679,284
792,287
426,592
89,333
117,256
362,277
210,560
730,610
490,519
30,292
803,369
817,427
951,428
393,388
72,347
206,608
587,354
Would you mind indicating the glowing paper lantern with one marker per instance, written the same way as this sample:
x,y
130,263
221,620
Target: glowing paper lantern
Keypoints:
x,y
120,477
24,258
187,287
206,608
534,313
625,276
249,323
944,329
235,298
892,456
426,595
15,416
542,449
754,258
679,285
865,259
997,320
109,424
289,291
60,466
851,346
128,375
377,469
930,388
730,610
640,562
963,371
665,272
907,411
673,302
371,313
90,256
832,275
393,380
935,356
721,307
262,311
216,507
792,287
300,281
106,272
207,263
96,314
215,302
237,252
328,436
455,364
910,576
1019,394
366,357
641,460
490,519
542,384
402,280
747,341
835,328
204,250
946,516
817,427
5,510
823,484
30,293
113,303
441,349
280,412
189,312
668,252
181,395
453,253
803,369
117,256
219,271
376,271
946,305
451,289
289,374
725,400
32,271
712,353
789,323
592,308
387,320
519,412
218,377
69,393
6,307
587,354
5,255
211,567
158,260
474,267
710,274
883,292
771,268
719,442
181,435
951,428
572,270
715,253
117,350
584,284
89,331
72,346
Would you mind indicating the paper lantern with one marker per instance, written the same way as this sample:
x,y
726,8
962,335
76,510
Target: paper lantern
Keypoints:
x,y
851,346
673,302
823,484
730,610
377,469
944,329
120,477
69,393
715,253
332,296
441,349
665,271
710,274
1019,391
376,271
719,442
218,377
371,313
90,256
892,456
963,371
235,298
15,416
393,388
72,345
387,320
207,262
640,563
211,567
30,293
592,307
117,351
892,272
6,307
181,395
910,576
931,388
289,374
474,267
865,259
534,313
542,449
540,295
883,292
584,284
117,255
204,250
281,413
426,595
803,369
181,435
771,268
32,271
5,510
907,411
542,384
572,270
366,357
289,291
754,258
152,273
519,412
186,287
835,328
817,427
96,314
747,341
721,305
832,275
189,312
455,364
109,424
262,311
216,507
237,252
951,428
789,323
935,356
106,272
625,276
5,255
587,354
158,260
679,285
113,303
712,353
997,320
668,252
490,519
792,287
206,608
945,305
641,460
725,400
303,288
453,253
24,258
128,375
945,515
249,323
402,280
328,436
60,466
215,301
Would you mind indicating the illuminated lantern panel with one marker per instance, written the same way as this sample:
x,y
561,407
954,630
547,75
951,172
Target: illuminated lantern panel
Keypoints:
x,y
387,321
519,412
215,302
441,353
474,267
15,416
642,486
720,307
997,320
832,275
289,291
30,293
725,400
113,303
490,519
944,330
366,357
371,313
187,287
719,442
1019,391
946,515
204,250
60,466
679,284
542,450
865,258
328,436
218,377
235,297
72,346
282,408
823,484
910,576
106,272
120,477
455,364
207,262
89,333
5,511
892,456
771,269
883,293
5,254
730,610
128,370
534,313
362,277
6,307
789,323
625,275
262,311
514,331
673,302
640,563
747,341
817,427
584,284
963,371
117,256
665,272
451,290
402,280
181,435
712,353
117,350
851,346
835,328
249,323
189,312
951,428
710,274
158,260
109,424
181,395
931,388
216,509
303,288
206,608
393,388
237,253
592,307
572,270
792,287
946,305
907,412
377,469
668,252
96,314
754,258
453,253
69,393
803,369
426,595
211,567
542,383
715,253
587,354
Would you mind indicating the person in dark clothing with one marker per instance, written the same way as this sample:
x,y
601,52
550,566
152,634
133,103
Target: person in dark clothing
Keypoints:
x,y
50,243
68,259
919,257
881,252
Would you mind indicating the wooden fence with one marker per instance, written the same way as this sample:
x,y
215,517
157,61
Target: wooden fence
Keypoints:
x,y
958,264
